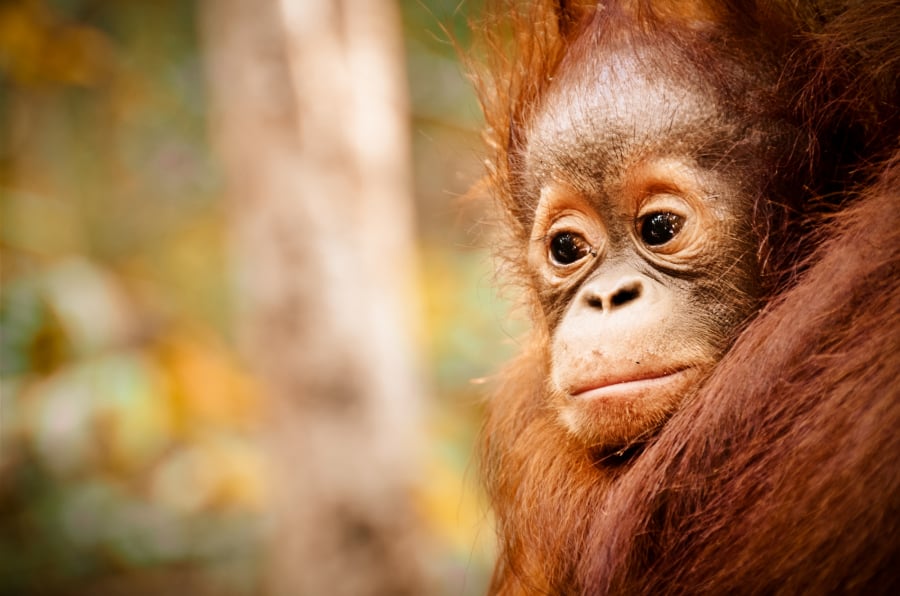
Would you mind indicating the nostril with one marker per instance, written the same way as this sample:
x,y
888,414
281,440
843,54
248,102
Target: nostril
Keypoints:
x,y
625,295
609,296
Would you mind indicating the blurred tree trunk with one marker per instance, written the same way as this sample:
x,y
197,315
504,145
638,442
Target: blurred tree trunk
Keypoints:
x,y
311,121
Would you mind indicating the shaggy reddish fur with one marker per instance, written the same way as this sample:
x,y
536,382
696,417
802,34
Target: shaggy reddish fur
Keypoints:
x,y
781,474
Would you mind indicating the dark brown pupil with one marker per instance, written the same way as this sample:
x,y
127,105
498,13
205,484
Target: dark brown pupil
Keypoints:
x,y
566,248
659,228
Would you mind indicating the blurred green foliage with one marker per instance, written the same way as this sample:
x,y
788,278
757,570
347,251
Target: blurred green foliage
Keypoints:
x,y
128,424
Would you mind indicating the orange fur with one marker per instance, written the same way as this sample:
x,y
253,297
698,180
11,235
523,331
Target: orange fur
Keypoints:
x,y
780,474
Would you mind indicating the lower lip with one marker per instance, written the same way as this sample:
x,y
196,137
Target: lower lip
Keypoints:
x,y
633,388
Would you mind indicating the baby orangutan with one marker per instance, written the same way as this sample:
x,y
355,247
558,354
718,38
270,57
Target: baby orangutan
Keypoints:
x,y
701,207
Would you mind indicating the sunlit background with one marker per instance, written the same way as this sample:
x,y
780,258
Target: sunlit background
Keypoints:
x,y
130,422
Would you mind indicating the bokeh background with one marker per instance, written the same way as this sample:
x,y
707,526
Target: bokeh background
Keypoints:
x,y
135,424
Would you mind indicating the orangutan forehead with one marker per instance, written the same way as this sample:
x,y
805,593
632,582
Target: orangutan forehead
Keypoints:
x,y
595,120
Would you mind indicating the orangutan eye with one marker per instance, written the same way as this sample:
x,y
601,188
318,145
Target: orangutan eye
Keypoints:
x,y
567,248
658,228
